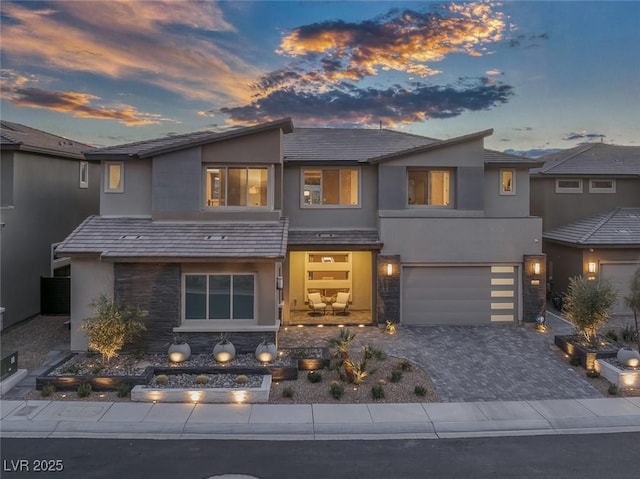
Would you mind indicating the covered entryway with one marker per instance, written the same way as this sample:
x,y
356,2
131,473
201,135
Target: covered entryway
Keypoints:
x,y
461,295
620,276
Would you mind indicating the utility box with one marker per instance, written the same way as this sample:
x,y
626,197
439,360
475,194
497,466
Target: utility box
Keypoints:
x,y
8,365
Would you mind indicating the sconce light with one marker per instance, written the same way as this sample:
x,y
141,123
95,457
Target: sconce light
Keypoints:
x,y
536,268
591,267
280,282
389,269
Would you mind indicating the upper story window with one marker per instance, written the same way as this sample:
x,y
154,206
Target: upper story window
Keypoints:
x,y
602,185
219,296
429,187
508,182
114,177
331,187
237,186
84,174
568,185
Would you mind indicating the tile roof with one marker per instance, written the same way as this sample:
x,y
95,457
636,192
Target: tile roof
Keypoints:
x,y
166,144
592,159
351,238
617,227
20,137
131,238
498,158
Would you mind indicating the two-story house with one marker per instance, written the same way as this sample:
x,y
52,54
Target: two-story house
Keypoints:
x,y
47,188
589,200
230,232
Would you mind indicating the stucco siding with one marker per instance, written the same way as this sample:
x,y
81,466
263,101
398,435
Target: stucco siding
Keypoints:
x,y
177,182
135,200
506,205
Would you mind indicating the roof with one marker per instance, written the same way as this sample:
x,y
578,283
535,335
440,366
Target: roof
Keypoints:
x,y
332,238
167,144
137,238
592,159
616,228
14,136
499,158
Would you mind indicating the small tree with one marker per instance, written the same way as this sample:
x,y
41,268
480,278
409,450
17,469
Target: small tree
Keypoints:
x,y
112,326
588,304
632,300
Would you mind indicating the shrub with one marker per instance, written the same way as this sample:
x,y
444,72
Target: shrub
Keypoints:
x,y
628,333
241,378
574,361
588,304
288,392
406,365
202,379
84,390
356,370
162,379
611,335
48,390
314,376
396,376
337,390
123,390
592,373
97,369
112,326
420,391
377,392
371,352
613,389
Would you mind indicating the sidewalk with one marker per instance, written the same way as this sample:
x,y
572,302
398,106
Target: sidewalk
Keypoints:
x,y
127,420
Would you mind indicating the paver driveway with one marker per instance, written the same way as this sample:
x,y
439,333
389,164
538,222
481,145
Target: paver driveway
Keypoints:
x,y
472,363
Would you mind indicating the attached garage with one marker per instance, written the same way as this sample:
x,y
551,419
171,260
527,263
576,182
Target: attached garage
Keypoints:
x,y
620,276
462,295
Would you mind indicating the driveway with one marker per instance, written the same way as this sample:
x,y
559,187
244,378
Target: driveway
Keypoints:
x,y
473,363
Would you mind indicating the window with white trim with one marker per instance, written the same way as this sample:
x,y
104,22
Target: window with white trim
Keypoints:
x,y
219,296
602,185
508,181
84,174
114,177
330,187
429,187
237,186
568,185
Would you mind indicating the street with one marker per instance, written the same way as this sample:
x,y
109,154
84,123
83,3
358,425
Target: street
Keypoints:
x,y
577,456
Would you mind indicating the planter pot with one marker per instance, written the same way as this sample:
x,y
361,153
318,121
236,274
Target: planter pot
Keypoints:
x,y
224,351
179,353
629,357
266,352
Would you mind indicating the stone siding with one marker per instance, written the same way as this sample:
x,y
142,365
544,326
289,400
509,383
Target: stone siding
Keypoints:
x,y
388,289
534,287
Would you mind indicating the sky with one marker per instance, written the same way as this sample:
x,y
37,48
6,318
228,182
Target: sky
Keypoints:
x,y
543,75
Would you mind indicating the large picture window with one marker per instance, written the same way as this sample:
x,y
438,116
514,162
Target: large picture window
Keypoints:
x,y
330,187
219,296
429,187
233,186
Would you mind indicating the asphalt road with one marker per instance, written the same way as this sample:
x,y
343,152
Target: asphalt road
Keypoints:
x,y
573,456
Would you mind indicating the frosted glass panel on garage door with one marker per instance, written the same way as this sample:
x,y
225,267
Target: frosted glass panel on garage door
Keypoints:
x,y
446,295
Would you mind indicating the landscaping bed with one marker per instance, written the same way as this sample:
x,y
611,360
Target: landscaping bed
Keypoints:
x,y
614,372
573,345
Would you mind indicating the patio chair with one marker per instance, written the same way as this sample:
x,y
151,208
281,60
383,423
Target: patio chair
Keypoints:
x,y
316,304
341,304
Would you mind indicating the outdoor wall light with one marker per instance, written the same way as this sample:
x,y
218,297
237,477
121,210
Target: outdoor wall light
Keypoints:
x,y
389,269
536,268
280,282
591,267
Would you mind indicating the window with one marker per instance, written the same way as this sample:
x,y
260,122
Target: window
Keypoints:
x,y
219,296
429,187
247,187
331,187
508,182
84,174
569,185
602,186
114,177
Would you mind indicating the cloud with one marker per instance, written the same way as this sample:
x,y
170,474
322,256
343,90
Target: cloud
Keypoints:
x,y
157,43
368,106
583,135
16,89
527,41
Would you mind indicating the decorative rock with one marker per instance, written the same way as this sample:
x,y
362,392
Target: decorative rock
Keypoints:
x,y
629,357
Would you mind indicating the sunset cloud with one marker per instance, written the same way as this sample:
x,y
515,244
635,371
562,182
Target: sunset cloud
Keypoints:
x,y
156,43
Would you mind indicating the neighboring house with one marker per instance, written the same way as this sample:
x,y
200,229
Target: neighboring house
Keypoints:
x,y
589,199
203,230
47,187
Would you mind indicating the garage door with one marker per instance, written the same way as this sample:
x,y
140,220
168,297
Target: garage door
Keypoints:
x,y
620,276
458,294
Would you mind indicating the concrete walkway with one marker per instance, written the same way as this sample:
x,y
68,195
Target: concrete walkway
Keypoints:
x,y
65,419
